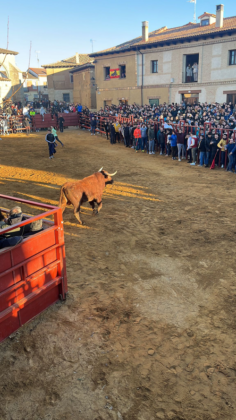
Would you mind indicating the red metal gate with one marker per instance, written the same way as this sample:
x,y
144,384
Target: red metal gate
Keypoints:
x,y
32,273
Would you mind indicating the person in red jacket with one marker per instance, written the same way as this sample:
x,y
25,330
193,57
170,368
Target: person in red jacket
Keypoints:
x,y
138,136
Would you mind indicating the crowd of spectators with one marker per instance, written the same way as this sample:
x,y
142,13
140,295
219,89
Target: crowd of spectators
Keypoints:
x,y
16,117
200,133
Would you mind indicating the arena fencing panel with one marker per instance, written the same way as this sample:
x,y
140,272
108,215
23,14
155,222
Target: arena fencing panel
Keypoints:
x,y
32,273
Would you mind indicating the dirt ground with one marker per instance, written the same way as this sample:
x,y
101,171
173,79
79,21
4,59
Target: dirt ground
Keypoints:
x,y
148,329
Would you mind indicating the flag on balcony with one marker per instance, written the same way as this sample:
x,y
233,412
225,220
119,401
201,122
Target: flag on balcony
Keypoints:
x,y
114,73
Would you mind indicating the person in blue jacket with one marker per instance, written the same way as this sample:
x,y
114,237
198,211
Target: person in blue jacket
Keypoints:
x,y
173,143
79,108
231,149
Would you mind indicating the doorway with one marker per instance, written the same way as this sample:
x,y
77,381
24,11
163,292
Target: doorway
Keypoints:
x,y
231,97
123,102
190,98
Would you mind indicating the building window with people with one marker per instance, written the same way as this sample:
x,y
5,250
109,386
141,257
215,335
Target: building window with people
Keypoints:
x,y
123,72
106,73
190,68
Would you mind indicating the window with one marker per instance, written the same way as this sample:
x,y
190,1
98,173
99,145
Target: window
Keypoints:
x,y
154,102
205,22
122,72
154,66
232,58
190,68
71,78
66,97
106,73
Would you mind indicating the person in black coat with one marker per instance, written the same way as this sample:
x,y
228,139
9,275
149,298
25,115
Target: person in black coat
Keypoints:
x,y
93,126
126,136
213,147
112,134
106,127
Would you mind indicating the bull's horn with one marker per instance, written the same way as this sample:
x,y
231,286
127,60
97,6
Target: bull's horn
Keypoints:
x,y
100,169
112,174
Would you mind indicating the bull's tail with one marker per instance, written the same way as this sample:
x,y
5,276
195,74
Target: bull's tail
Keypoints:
x,y
63,199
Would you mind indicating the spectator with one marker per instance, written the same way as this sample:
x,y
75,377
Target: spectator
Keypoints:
x,y
138,138
222,143
180,144
93,126
144,138
151,139
202,150
230,147
173,142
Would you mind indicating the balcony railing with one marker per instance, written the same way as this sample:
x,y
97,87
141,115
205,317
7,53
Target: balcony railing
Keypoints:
x,y
189,79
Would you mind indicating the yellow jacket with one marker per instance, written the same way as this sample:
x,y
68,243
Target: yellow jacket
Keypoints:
x,y
222,143
117,127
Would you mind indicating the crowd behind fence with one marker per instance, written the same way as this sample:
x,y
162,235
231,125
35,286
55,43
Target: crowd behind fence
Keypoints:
x,y
85,123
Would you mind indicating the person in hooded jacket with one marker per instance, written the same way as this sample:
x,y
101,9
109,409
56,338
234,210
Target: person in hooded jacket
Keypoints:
x,y
126,136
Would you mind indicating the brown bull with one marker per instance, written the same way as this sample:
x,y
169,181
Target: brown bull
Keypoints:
x,y
88,189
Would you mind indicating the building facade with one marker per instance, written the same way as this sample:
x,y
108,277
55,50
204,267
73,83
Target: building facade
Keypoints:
x,y
84,91
195,63
60,81
10,77
35,84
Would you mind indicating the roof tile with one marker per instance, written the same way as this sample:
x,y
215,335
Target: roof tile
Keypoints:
x,y
164,34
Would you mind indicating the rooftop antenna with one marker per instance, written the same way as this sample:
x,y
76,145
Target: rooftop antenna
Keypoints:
x,y
30,53
92,41
37,54
195,7
8,33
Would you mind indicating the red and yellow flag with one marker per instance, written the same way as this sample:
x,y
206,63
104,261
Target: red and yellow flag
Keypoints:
x,y
114,73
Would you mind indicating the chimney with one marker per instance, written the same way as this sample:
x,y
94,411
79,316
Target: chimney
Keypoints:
x,y
219,16
145,31
77,58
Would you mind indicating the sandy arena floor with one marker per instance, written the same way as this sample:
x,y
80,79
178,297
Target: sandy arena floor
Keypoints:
x,y
148,329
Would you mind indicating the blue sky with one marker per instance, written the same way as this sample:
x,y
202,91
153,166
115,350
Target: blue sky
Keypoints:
x,y
58,28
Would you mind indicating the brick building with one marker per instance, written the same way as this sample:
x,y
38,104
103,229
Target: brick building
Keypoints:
x,y
10,77
60,81
84,85
194,62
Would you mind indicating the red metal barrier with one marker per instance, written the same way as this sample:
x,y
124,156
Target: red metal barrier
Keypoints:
x,y
71,119
32,273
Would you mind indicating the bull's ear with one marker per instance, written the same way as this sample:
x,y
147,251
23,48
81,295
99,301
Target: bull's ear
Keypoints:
x,y
104,174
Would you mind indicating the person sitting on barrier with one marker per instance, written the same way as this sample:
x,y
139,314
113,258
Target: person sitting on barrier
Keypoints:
x,y
42,112
15,217
3,223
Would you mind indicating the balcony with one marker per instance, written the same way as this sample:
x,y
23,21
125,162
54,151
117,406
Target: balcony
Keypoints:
x,y
190,68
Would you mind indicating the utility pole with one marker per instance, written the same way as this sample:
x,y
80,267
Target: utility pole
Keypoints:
x,y
92,41
195,10
30,53
37,54
8,33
